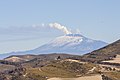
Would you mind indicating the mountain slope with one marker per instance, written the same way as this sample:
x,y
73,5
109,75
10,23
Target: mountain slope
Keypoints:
x,y
105,53
71,43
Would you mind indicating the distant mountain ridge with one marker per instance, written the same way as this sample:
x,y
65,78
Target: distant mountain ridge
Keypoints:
x,y
70,43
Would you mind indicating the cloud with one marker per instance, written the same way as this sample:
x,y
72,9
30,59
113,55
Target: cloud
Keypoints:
x,y
60,27
35,29
39,25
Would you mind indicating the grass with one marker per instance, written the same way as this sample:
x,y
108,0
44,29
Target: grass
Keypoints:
x,y
4,67
113,75
61,69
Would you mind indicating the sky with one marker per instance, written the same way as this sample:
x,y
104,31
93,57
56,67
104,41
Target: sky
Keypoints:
x,y
24,24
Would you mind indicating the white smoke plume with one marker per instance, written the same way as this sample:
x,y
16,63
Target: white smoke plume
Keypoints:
x,y
60,27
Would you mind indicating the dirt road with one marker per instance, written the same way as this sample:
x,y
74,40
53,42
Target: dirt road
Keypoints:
x,y
95,77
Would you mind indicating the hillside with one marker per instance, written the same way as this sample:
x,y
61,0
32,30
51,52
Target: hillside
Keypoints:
x,y
47,66
106,53
29,57
65,68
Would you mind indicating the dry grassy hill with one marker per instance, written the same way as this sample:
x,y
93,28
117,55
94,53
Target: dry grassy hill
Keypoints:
x,y
106,53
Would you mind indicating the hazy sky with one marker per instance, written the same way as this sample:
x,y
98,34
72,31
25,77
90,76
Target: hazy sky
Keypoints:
x,y
24,23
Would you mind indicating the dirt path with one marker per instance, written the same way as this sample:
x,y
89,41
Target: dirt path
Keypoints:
x,y
40,69
95,77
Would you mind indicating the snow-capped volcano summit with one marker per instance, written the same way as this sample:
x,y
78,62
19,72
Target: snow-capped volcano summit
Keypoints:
x,y
66,40
70,43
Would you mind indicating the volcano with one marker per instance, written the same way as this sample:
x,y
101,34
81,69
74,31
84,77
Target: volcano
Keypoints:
x,y
69,43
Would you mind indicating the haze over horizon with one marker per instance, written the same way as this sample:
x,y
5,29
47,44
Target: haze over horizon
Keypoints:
x,y
27,24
